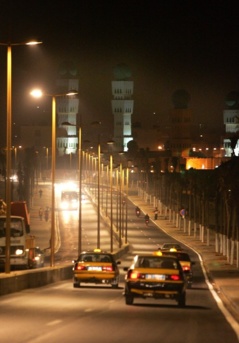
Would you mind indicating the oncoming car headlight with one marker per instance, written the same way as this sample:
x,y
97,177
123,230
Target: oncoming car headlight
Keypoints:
x,y
64,205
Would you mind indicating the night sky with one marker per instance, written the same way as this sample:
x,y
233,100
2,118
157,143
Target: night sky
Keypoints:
x,y
168,45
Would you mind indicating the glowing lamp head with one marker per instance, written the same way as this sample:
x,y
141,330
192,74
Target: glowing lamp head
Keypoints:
x,y
36,93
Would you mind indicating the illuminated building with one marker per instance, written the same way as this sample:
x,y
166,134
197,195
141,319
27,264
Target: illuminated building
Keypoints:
x,y
67,109
122,106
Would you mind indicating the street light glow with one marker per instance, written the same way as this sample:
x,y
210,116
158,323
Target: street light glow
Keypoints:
x,y
33,43
36,93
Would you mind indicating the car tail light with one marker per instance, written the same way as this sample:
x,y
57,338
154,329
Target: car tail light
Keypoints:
x,y
186,268
175,277
107,268
134,275
80,267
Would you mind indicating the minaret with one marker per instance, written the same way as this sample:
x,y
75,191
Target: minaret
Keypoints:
x,y
67,109
181,123
231,122
122,106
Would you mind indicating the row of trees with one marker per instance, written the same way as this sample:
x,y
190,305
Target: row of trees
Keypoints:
x,y
210,198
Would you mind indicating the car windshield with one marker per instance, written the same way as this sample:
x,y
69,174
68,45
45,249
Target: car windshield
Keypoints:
x,y
171,245
69,196
16,228
156,262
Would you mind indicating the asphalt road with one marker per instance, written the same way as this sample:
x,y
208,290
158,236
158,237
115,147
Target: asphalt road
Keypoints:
x,y
60,313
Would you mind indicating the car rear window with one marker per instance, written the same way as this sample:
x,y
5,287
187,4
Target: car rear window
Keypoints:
x,y
157,262
95,258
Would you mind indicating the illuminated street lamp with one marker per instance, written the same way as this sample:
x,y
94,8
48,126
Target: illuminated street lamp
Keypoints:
x,y
37,94
9,146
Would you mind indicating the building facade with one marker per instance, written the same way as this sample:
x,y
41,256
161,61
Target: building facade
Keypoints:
x,y
67,108
231,122
122,107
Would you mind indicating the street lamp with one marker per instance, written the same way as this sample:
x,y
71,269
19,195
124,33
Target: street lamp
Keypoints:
x,y
111,203
37,94
80,191
98,209
9,146
126,205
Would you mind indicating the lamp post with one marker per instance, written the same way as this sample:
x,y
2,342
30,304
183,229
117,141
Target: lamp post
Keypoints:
x,y
98,209
9,146
37,94
126,206
111,203
80,192
120,205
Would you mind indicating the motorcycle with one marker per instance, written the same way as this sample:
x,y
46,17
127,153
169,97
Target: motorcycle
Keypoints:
x,y
146,218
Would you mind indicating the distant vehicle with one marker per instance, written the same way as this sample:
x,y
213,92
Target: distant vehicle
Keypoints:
x,y
185,262
22,244
69,200
37,258
167,246
97,267
155,276
137,211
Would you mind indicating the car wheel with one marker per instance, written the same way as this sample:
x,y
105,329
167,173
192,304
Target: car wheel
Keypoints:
x,y
76,285
115,283
129,299
182,300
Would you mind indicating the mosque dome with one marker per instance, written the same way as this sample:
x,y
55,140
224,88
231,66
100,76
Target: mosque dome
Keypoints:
x,y
122,72
232,99
67,69
181,98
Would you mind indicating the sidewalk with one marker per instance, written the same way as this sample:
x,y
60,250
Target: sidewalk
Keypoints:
x,y
223,276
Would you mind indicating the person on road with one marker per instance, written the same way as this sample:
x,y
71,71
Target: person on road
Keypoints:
x,y
137,211
47,214
146,218
40,213
156,213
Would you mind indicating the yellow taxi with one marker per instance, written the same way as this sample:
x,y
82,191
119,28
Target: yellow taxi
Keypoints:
x,y
185,262
98,267
155,276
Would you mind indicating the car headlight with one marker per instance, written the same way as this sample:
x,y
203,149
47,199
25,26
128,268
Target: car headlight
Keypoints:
x,y
19,252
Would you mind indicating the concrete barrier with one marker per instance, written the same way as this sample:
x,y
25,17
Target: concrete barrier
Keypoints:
x,y
19,280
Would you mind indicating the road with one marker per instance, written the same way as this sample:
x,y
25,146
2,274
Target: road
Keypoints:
x,y
60,313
